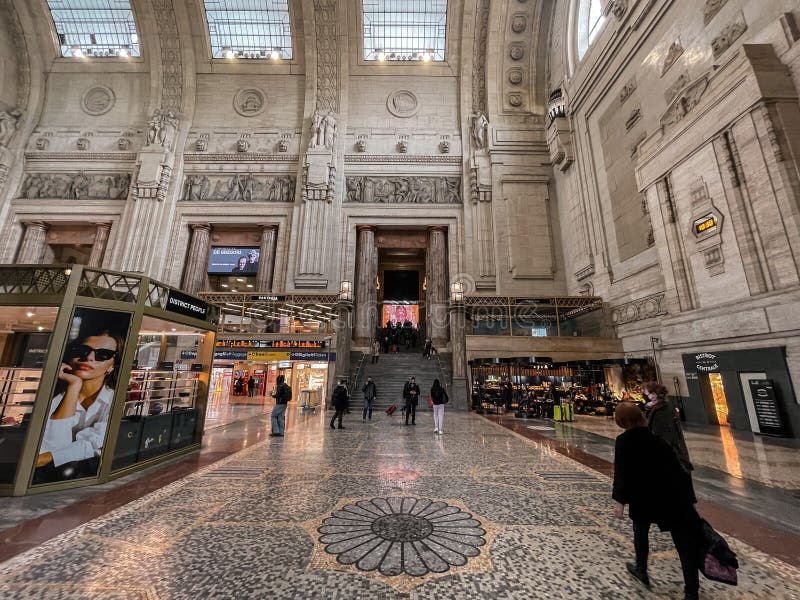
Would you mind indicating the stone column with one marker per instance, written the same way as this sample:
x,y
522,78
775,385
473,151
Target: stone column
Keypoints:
x,y
366,294
436,296
102,231
194,273
266,259
342,326
459,345
34,243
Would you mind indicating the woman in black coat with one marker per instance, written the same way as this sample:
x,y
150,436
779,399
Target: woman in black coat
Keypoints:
x,y
663,421
650,480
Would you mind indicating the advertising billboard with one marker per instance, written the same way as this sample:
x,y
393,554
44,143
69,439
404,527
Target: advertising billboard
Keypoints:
x,y
75,430
241,262
400,313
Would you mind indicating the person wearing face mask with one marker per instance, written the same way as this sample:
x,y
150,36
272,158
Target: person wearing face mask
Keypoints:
x,y
78,417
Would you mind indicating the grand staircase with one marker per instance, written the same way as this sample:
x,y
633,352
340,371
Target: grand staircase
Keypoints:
x,y
392,371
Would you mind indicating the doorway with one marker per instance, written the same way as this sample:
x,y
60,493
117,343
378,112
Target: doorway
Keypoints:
x,y
715,399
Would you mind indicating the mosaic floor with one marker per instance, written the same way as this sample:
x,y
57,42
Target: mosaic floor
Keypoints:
x,y
376,510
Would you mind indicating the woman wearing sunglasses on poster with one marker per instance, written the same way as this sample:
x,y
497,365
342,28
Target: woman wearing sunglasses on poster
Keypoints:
x,y
76,429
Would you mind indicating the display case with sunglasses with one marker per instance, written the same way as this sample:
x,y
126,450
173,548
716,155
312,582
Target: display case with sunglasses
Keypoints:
x,y
18,387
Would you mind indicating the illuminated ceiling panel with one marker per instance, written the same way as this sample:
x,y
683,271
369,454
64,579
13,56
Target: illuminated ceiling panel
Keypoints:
x,y
95,28
256,29
405,30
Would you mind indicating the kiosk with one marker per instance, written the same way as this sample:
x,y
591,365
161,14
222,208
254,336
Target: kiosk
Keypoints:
x,y
92,386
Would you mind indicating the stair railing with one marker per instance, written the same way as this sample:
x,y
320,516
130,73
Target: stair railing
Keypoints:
x,y
354,377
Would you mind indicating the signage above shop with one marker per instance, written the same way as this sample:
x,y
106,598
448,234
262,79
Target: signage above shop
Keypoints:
x,y
706,362
186,305
269,356
287,344
267,298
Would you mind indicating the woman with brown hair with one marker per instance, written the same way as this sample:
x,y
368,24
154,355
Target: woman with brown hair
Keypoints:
x,y
650,480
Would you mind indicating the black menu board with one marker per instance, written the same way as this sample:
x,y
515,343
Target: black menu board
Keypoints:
x,y
768,410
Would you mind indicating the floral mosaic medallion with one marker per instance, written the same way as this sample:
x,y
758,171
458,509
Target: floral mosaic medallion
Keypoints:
x,y
402,536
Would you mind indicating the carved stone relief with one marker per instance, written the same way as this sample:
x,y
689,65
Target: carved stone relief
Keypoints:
x,y
479,126
711,9
404,190
519,23
283,145
402,146
402,103
681,82
323,130
238,188
249,102
8,125
201,145
327,56
42,143
673,54
82,143
516,51
515,99
627,90
242,145
98,100
515,76
685,102
171,58
361,145
479,57
728,36
444,146
634,118
161,129
619,8
123,143
79,186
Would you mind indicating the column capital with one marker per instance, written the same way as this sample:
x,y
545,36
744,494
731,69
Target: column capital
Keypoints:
x,y
268,226
371,228
36,224
442,228
200,226
102,224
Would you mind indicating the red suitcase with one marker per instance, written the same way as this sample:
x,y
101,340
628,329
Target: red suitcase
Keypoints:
x,y
391,409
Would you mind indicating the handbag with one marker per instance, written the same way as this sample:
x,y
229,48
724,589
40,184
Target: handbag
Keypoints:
x,y
430,401
719,561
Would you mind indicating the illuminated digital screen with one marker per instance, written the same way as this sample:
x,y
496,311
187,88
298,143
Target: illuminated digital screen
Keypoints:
x,y
705,224
401,313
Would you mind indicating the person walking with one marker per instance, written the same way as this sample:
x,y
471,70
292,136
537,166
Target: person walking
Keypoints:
x,y
370,393
426,349
376,350
650,479
411,396
282,395
664,422
251,386
439,399
340,400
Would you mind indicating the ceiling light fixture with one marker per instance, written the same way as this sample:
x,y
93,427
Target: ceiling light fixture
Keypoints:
x,y
380,54
76,51
427,56
227,52
275,54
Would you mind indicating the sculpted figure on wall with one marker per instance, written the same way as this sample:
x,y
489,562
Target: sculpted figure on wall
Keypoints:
x,y
8,125
76,187
161,128
239,188
479,128
323,130
404,190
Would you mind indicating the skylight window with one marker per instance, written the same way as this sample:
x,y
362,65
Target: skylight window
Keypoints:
x,y
405,30
254,29
590,24
95,28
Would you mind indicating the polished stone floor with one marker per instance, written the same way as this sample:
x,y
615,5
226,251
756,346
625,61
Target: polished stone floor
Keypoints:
x,y
377,510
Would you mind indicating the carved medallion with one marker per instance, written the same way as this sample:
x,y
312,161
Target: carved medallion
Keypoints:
x,y
402,103
98,100
515,99
515,76
249,102
517,51
519,23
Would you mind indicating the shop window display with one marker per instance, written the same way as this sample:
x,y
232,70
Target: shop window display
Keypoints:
x,y
162,397
25,334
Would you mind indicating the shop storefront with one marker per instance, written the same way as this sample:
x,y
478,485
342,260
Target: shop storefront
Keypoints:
x,y
304,363
91,381
744,389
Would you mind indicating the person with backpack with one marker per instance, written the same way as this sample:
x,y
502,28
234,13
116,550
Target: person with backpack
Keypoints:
x,y
340,401
370,393
438,399
251,386
282,395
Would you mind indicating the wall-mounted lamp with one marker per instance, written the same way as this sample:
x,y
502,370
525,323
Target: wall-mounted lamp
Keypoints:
x,y
346,291
457,292
557,105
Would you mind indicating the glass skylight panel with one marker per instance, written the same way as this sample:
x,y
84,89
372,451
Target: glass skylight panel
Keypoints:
x,y
101,28
257,29
405,30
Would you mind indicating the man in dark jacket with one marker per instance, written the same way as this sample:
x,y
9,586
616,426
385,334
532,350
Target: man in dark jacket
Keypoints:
x,y
370,393
340,399
411,396
506,393
282,395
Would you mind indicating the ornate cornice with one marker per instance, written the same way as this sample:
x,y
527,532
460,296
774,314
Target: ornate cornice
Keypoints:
x,y
639,310
400,159
241,157
82,156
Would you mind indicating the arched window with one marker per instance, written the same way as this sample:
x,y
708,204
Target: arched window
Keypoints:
x,y
254,29
95,28
590,23
405,30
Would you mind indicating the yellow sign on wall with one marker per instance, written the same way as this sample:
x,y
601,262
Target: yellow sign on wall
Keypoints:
x,y
264,356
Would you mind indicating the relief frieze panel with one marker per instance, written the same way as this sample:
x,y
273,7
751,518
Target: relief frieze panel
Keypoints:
x,y
404,190
239,188
78,186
